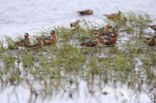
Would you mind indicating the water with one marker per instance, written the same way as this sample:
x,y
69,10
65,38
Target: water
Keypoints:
x,y
19,16
115,95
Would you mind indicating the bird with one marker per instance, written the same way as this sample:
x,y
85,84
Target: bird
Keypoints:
x,y
106,30
153,27
108,34
115,15
25,41
38,45
86,12
98,30
91,43
102,30
75,24
50,39
110,40
152,41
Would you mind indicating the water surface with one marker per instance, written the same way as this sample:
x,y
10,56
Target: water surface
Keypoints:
x,y
19,16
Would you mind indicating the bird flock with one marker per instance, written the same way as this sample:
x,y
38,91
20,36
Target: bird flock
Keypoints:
x,y
103,35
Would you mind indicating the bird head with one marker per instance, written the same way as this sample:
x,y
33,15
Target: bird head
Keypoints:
x,y
52,32
26,35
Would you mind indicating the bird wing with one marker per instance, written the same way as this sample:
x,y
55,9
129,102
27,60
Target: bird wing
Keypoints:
x,y
47,38
22,41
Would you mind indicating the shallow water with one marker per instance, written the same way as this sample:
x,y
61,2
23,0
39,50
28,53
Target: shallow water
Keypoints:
x,y
84,95
19,16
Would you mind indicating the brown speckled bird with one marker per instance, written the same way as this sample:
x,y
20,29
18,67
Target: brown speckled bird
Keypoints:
x,y
116,15
75,24
86,12
25,41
